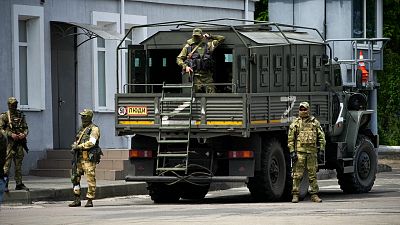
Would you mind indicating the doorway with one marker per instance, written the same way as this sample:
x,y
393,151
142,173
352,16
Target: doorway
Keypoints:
x,y
63,73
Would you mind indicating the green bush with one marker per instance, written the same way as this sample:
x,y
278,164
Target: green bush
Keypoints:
x,y
389,99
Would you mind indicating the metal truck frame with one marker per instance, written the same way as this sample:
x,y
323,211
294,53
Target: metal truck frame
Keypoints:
x,y
183,141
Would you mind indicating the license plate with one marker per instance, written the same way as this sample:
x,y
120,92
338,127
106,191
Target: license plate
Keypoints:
x,y
137,111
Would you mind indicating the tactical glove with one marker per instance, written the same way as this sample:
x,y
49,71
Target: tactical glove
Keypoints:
x,y
75,146
293,156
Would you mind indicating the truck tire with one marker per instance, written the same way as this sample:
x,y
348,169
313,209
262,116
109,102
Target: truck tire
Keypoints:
x,y
365,167
163,193
269,183
194,192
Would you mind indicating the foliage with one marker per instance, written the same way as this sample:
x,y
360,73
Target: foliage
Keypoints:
x,y
389,99
261,12
389,78
391,27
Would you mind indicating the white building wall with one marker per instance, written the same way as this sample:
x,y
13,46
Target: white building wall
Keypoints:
x,y
80,11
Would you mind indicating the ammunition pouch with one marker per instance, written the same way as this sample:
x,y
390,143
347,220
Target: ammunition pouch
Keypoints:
x,y
95,155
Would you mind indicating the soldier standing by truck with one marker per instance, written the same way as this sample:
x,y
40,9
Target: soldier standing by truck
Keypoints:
x,y
304,138
196,58
87,154
16,130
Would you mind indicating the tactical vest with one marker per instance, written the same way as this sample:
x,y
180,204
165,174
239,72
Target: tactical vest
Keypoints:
x,y
16,124
306,132
86,135
197,61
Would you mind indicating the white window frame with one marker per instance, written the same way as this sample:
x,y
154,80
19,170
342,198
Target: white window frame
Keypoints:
x,y
99,18
35,55
113,21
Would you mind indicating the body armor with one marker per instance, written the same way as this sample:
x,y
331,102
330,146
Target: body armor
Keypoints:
x,y
198,61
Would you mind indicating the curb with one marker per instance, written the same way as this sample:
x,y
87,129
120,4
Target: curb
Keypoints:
x,y
65,194
384,149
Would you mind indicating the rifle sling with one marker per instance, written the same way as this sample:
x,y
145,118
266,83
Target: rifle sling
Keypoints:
x,y
80,137
9,119
194,49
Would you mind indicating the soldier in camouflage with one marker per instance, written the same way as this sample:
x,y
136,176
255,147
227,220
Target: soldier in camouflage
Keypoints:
x,y
196,59
14,127
87,140
304,138
3,153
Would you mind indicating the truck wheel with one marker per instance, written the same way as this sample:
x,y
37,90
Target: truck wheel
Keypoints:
x,y
269,183
365,167
163,193
194,192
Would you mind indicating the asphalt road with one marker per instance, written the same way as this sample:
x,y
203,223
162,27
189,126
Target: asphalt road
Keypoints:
x,y
233,206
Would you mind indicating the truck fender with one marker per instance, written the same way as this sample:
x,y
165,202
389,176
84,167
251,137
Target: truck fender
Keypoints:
x,y
354,120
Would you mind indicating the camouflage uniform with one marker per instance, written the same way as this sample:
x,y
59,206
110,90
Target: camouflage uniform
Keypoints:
x,y
304,134
197,55
14,126
87,139
3,152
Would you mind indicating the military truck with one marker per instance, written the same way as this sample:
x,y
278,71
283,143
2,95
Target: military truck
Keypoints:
x,y
184,141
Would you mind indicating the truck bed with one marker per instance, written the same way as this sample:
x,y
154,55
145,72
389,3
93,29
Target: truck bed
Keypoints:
x,y
215,114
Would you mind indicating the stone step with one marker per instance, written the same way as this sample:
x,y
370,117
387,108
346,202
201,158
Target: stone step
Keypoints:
x,y
50,172
114,164
101,174
116,154
59,154
54,164
111,164
107,154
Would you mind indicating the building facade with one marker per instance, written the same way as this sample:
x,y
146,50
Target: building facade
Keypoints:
x,y
56,68
339,19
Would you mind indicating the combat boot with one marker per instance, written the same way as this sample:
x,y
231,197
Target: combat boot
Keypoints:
x,y
21,186
76,202
315,198
89,203
295,199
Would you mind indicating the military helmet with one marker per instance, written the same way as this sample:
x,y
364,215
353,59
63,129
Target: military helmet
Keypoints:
x,y
305,105
87,112
12,100
197,32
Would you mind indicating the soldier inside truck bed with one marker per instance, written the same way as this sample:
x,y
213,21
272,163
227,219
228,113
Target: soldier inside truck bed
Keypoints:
x,y
196,59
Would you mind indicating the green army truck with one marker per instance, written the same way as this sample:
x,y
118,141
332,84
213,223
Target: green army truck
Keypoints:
x,y
183,141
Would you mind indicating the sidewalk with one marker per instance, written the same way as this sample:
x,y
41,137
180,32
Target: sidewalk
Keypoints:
x,y
60,189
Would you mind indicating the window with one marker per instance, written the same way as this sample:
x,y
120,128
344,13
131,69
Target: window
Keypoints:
x,y
104,64
104,57
28,52
364,19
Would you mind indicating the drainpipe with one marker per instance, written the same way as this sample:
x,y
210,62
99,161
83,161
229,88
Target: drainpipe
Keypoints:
x,y
246,11
325,28
373,101
293,12
122,32
122,17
